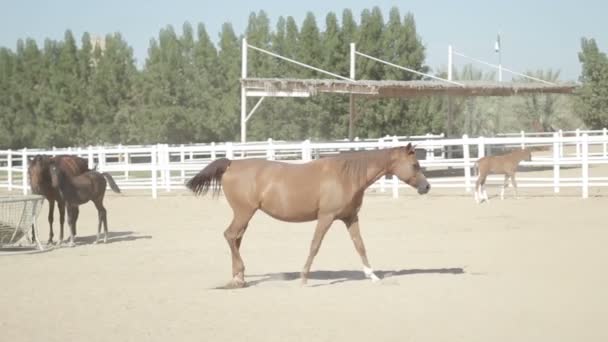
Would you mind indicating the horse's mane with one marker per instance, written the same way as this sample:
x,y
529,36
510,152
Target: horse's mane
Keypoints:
x,y
355,164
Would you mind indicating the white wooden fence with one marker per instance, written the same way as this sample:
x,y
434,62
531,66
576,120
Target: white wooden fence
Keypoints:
x,y
166,168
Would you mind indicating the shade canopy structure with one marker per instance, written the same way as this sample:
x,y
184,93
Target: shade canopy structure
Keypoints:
x,y
427,85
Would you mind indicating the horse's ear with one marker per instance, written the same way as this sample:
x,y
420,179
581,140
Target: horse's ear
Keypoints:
x,y
409,149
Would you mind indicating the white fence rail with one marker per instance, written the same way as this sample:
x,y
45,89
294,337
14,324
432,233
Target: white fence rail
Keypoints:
x,y
166,168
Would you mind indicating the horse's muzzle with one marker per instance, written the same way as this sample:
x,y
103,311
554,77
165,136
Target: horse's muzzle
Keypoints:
x,y
424,188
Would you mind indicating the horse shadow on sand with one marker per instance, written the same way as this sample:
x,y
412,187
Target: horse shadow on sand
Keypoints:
x,y
335,277
113,237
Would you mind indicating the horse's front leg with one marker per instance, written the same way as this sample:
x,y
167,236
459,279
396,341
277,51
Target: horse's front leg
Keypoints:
x,y
323,224
50,218
355,234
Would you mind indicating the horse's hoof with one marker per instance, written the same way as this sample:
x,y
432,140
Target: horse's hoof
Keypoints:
x,y
236,284
96,241
71,244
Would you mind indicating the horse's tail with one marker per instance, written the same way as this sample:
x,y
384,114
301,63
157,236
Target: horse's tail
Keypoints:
x,y
209,178
111,181
475,168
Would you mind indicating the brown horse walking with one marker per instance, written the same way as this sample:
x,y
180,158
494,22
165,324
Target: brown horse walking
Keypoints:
x,y
40,183
77,190
325,190
505,164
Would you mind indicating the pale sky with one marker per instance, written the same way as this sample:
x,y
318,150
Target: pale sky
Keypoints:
x,y
535,34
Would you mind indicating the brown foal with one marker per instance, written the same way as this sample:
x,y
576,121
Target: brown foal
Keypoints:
x,y
77,190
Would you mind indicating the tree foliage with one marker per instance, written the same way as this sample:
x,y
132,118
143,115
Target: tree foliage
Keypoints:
x,y
89,91
592,102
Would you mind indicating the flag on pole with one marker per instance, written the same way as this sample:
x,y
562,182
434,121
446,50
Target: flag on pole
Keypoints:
x,y
497,44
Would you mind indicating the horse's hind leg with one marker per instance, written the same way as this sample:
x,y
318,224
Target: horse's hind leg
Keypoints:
x,y
72,217
51,210
514,185
505,184
480,187
323,224
355,234
234,235
101,219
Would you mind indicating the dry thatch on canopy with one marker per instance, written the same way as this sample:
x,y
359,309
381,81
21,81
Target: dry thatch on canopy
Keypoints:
x,y
406,89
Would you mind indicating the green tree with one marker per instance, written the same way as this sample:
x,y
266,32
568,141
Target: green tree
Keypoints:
x,y
370,42
226,121
539,111
592,102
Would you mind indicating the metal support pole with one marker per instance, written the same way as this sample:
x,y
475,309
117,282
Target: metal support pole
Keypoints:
x,y
244,92
450,63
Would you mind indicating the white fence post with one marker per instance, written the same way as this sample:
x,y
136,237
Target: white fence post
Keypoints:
x,y
556,156
9,164
270,150
24,180
212,151
523,138
167,167
561,144
182,160
585,156
306,157
229,151
90,156
578,144
153,168
481,148
395,179
383,178
101,158
125,153
605,135
430,153
467,162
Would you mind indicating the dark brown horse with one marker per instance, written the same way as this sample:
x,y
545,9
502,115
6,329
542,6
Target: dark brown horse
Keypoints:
x,y
325,190
77,190
505,164
40,183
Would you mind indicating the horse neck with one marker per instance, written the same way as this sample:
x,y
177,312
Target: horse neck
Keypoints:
x,y
377,166
520,155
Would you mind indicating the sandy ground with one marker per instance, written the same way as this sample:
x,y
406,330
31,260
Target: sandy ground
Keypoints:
x,y
532,269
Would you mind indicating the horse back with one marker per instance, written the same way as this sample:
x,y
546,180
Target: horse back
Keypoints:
x,y
71,165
